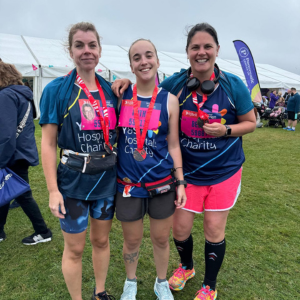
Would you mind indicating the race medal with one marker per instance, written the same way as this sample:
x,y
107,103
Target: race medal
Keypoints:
x,y
139,154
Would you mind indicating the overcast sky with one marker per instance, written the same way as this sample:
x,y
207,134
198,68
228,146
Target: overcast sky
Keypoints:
x,y
271,28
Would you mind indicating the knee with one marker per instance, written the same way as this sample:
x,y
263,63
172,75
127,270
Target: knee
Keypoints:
x,y
132,243
100,242
213,231
181,232
160,241
74,252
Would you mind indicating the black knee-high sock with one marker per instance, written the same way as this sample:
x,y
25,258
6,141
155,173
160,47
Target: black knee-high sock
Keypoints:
x,y
185,250
214,254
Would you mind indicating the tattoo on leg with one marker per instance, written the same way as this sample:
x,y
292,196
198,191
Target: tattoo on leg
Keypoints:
x,y
131,257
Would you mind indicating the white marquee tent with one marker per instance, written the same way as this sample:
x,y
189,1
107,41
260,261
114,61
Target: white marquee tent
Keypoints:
x,y
43,60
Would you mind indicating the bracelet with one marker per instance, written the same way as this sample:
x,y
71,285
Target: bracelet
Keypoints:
x,y
177,168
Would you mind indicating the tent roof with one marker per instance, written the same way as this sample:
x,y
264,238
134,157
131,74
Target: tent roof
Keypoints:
x,y
53,57
29,52
13,50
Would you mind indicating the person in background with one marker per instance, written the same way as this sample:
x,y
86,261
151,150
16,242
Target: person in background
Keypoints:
x,y
293,108
286,96
75,190
273,99
19,153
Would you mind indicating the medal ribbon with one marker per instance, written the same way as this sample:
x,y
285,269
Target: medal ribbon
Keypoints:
x,y
104,121
141,138
201,114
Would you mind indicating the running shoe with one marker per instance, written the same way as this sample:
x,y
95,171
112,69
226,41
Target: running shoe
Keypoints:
x,y
206,293
286,128
36,238
180,277
162,290
2,236
290,129
102,296
129,290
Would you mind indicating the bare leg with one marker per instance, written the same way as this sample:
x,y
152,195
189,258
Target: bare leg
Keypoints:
x,y
160,232
182,224
101,251
72,263
214,225
295,123
133,234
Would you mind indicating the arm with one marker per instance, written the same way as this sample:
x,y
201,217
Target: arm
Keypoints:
x,y
174,147
120,85
246,124
49,148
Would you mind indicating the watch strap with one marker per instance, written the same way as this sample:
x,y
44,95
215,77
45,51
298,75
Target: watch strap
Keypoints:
x,y
181,182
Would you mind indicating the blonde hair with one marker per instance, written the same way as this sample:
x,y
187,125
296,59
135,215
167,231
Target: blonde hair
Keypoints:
x,y
85,27
9,75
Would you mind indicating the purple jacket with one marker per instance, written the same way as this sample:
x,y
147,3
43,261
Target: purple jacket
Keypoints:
x,y
273,100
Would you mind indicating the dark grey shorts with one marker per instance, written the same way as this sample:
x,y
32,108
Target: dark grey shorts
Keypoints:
x,y
129,209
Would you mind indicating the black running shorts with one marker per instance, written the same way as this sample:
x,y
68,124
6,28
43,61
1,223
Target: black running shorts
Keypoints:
x,y
129,209
291,115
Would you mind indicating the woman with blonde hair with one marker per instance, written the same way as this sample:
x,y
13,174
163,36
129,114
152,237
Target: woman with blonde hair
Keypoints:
x,y
18,153
85,181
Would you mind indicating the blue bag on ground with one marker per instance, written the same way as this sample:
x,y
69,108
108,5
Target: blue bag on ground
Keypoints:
x,y
11,186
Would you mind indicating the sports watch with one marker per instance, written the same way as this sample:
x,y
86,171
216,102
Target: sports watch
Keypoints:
x,y
181,182
228,130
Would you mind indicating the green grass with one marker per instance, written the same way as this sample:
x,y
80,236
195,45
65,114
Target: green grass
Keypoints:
x,y
262,259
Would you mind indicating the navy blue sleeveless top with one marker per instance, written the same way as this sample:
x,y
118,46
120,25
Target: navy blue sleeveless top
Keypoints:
x,y
73,136
158,163
208,160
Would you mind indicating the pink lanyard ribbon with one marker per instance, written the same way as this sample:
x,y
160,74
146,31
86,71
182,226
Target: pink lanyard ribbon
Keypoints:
x,y
141,138
104,121
201,114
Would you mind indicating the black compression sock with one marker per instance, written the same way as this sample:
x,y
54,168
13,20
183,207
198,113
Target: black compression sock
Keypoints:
x,y
214,255
185,250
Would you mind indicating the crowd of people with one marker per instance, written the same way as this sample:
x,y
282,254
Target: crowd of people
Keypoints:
x,y
171,151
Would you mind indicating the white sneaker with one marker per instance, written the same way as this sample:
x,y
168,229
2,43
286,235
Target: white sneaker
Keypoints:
x,y
162,290
129,290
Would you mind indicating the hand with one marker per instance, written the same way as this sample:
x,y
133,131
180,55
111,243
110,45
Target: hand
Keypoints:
x,y
181,197
119,86
214,129
55,201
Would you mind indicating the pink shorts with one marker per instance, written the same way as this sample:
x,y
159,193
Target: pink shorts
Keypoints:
x,y
217,197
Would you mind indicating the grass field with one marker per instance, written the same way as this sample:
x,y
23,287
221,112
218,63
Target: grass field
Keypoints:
x,y
262,259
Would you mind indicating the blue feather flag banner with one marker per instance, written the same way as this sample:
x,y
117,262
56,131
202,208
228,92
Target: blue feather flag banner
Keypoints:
x,y
248,66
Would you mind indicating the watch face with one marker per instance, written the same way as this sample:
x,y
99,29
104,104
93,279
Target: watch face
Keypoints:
x,y
228,131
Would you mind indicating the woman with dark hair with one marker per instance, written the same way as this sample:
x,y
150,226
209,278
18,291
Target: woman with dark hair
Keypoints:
x,y
18,153
85,181
215,112
148,147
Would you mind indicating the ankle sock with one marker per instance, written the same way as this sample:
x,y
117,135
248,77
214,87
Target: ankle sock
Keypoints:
x,y
161,280
185,251
132,280
214,255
